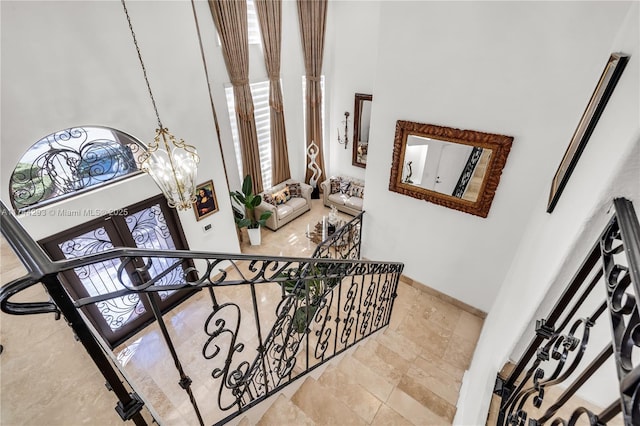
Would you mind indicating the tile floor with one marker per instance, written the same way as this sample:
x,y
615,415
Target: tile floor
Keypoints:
x,y
410,373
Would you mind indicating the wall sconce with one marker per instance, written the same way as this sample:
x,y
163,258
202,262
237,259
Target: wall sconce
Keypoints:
x,y
344,141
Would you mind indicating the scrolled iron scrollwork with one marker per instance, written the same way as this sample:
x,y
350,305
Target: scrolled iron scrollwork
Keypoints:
x,y
559,346
384,302
323,317
348,309
575,417
369,305
621,295
72,160
232,378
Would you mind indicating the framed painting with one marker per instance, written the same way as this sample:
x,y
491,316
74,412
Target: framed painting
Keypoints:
x,y
206,203
597,103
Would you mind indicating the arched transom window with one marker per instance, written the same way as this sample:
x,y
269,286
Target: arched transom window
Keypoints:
x,y
72,161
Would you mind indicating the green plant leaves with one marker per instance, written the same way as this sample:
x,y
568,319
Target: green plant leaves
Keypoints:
x,y
300,320
250,201
247,186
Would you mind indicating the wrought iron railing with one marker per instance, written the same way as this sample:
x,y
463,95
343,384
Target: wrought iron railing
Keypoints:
x,y
606,284
344,243
265,321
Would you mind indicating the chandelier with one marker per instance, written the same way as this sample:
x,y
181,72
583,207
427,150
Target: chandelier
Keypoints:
x,y
172,164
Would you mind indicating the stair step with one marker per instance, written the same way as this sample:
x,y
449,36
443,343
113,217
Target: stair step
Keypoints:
x,y
365,377
418,413
284,412
320,404
385,362
357,398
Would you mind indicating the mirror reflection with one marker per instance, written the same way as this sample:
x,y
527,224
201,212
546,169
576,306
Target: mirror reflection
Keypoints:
x,y
361,126
445,167
458,169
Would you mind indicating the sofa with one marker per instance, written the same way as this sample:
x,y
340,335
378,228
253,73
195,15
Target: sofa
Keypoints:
x,y
345,193
286,201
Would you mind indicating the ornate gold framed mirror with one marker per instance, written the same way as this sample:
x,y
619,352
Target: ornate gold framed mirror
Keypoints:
x,y
361,123
454,168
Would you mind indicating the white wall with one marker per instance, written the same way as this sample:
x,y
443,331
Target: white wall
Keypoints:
x,y
69,64
351,49
554,245
523,69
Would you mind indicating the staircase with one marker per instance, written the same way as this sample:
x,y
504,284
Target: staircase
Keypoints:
x,y
475,183
407,371
407,374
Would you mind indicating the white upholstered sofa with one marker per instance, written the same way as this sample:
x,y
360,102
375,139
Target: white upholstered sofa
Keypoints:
x,y
286,201
345,193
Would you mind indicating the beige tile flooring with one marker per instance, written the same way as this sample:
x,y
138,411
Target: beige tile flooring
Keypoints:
x,y
410,373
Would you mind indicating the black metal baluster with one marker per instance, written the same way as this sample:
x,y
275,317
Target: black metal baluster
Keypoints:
x,y
185,381
261,348
337,320
130,404
359,312
306,315
393,296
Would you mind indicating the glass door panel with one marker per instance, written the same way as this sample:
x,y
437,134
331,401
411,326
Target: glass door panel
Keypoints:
x,y
149,230
102,278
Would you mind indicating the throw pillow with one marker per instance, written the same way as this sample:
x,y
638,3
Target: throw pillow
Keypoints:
x,y
344,186
356,190
295,189
268,198
281,196
335,185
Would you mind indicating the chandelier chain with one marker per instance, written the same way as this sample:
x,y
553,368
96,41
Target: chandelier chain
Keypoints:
x,y
144,69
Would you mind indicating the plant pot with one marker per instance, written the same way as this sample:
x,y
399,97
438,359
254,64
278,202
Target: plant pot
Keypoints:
x,y
255,236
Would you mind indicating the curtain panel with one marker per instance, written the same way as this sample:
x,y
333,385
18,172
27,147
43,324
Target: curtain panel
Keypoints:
x,y
312,15
230,18
270,20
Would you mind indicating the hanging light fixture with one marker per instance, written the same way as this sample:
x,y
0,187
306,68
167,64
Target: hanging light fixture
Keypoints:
x,y
172,164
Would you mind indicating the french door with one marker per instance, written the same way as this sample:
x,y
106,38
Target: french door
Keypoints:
x,y
150,224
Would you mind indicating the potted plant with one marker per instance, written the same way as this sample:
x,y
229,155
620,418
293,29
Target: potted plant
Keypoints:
x,y
316,289
249,201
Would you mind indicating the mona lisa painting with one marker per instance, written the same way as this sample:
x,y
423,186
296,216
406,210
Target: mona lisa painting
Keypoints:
x,y
206,203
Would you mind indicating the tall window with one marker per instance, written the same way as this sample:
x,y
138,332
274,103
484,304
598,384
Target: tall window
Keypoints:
x,y
260,93
253,28
304,108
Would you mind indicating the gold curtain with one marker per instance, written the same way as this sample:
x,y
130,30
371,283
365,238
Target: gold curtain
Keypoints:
x,y
312,15
230,18
270,20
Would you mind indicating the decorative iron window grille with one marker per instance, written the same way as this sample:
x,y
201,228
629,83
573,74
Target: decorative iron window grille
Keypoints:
x,y
71,161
